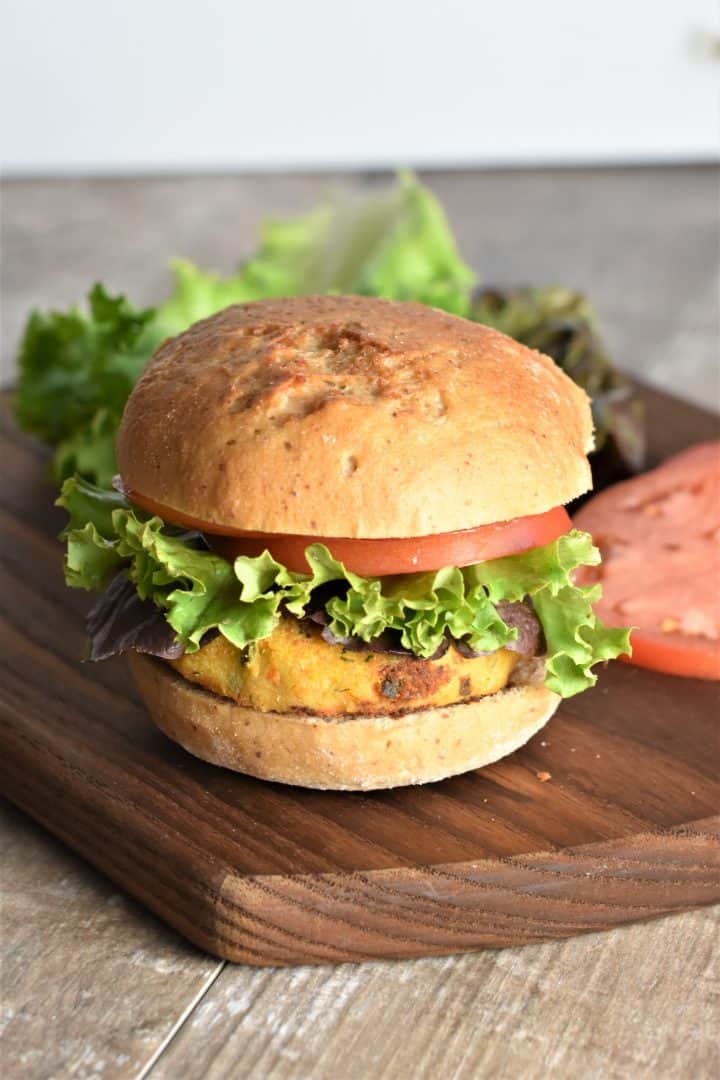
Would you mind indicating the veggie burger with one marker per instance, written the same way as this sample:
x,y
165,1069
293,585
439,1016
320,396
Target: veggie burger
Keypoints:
x,y
337,550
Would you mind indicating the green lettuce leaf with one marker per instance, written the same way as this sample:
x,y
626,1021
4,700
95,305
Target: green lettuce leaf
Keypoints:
x,y
77,368
76,371
199,591
395,243
575,638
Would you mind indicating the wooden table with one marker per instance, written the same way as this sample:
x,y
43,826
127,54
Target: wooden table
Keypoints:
x,y
93,985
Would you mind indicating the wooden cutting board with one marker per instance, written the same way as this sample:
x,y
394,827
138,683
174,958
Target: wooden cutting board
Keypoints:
x,y
627,827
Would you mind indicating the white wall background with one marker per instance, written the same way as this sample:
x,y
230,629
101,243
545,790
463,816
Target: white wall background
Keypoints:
x,y
139,85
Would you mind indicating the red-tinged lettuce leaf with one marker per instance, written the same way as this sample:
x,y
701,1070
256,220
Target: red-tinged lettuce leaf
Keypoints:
x,y
562,324
121,621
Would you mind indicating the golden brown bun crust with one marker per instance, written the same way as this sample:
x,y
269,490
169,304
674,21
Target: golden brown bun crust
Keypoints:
x,y
355,753
352,416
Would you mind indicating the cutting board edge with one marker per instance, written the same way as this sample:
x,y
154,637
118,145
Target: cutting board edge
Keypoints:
x,y
459,907
277,920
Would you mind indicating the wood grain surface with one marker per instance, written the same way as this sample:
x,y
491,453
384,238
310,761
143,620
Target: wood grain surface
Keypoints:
x,y
82,965
603,1007
624,830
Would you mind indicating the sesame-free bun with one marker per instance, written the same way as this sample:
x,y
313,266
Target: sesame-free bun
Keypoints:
x,y
349,416
342,752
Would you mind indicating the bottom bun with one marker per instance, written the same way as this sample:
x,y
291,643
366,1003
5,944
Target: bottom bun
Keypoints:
x,y
354,753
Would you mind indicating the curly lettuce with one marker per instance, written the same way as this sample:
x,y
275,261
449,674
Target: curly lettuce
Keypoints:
x,y
199,591
77,368
76,371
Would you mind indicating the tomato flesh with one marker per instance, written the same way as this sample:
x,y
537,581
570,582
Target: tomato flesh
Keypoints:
x,y
657,534
691,657
383,557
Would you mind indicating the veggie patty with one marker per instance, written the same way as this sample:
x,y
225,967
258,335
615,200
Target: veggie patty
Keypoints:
x,y
294,669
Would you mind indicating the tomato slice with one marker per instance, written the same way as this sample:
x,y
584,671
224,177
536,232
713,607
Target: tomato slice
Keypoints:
x,y
692,657
657,535
378,558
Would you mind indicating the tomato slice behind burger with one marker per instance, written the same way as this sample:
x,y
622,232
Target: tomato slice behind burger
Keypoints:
x,y
658,534
379,558
692,657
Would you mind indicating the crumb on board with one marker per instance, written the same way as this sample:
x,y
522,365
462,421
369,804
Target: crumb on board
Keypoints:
x,y
543,776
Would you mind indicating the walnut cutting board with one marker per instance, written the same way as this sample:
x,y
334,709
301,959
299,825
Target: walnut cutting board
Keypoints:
x,y
627,827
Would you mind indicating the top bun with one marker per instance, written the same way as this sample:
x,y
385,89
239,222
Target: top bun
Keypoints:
x,y
350,416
